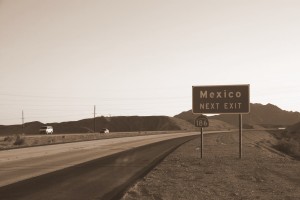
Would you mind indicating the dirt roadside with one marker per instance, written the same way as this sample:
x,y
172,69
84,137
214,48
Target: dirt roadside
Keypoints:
x,y
262,173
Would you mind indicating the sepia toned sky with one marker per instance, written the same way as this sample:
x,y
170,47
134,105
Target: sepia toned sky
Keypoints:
x,y
59,58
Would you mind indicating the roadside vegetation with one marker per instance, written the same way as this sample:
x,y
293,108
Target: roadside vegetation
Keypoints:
x,y
288,142
16,140
289,146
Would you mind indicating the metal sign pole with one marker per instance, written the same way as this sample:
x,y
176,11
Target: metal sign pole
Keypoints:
x,y
201,142
240,134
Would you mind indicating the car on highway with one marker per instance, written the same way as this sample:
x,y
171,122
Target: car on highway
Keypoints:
x,y
46,130
104,130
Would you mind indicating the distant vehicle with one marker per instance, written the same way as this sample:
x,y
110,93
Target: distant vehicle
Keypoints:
x,y
46,130
104,130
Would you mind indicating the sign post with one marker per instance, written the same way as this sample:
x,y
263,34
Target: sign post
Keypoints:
x,y
240,135
222,99
201,122
201,142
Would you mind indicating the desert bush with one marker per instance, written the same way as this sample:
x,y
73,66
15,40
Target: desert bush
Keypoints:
x,y
289,146
248,126
9,138
19,140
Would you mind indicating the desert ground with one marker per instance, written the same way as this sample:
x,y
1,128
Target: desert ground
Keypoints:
x,y
262,173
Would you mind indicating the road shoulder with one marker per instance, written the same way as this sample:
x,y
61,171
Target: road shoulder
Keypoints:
x,y
261,174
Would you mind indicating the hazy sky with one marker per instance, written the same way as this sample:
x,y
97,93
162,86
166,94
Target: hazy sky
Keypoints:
x,y
58,58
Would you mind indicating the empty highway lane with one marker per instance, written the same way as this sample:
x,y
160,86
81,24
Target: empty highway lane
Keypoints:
x,y
100,169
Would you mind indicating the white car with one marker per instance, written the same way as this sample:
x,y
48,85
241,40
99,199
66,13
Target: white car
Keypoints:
x,y
104,130
46,130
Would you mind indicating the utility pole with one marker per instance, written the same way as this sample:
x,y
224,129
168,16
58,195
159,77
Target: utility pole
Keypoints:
x,y
94,118
22,121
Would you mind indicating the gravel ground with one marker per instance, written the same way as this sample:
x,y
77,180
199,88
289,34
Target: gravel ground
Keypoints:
x,y
262,173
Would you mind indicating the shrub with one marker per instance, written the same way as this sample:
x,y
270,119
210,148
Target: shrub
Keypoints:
x,y
19,140
290,147
9,138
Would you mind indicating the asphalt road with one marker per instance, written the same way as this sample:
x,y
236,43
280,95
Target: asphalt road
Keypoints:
x,y
25,163
102,178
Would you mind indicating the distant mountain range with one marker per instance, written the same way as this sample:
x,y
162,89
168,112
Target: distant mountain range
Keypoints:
x,y
260,115
114,124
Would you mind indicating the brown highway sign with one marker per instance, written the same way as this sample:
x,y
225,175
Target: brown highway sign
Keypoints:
x,y
221,99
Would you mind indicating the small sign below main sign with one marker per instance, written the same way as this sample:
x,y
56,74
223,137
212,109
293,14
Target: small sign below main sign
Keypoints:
x,y
201,121
220,99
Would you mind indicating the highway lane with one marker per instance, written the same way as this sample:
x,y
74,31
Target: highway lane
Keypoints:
x,y
21,164
101,178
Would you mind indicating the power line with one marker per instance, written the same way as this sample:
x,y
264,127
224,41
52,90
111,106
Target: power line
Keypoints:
x,y
101,98
64,105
